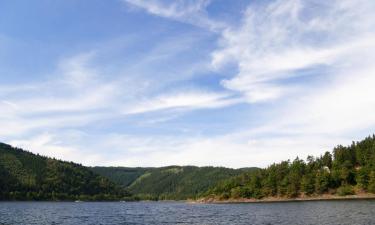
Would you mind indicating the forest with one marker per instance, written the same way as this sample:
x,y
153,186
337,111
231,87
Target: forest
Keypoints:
x,y
26,176
345,171
168,183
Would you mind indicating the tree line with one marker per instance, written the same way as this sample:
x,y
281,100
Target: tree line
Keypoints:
x,y
344,171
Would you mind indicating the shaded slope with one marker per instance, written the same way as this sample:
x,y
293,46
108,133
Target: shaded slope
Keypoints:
x,y
26,176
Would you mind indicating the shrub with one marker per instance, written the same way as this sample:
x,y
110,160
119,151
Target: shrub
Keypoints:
x,y
345,190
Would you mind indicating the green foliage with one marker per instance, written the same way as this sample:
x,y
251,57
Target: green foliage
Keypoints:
x,y
337,172
123,176
345,190
327,160
362,177
166,183
26,176
308,184
322,182
371,184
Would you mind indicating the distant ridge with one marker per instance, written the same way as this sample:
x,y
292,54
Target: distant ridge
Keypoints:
x,y
168,183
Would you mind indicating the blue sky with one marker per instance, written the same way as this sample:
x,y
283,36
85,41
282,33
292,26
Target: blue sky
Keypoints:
x,y
194,82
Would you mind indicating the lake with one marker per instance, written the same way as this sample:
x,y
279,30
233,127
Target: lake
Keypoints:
x,y
359,212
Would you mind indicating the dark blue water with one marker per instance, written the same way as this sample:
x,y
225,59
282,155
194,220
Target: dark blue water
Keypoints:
x,y
322,213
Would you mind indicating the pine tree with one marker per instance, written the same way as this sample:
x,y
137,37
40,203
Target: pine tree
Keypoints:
x,y
322,182
307,184
371,183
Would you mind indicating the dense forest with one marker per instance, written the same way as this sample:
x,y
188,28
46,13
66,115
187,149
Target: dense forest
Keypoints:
x,y
26,176
167,183
346,171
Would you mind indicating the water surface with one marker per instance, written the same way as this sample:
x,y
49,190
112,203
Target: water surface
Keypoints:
x,y
361,212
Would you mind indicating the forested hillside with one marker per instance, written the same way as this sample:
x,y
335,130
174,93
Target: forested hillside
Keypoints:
x,y
345,171
123,176
173,182
26,176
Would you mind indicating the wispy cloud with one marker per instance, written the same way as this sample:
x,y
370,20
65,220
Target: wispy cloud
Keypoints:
x,y
278,40
74,89
184,100
284,40
302,70
287,39
77,96
191,12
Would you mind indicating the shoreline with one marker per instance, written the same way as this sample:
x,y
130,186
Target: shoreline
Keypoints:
x,y
326,197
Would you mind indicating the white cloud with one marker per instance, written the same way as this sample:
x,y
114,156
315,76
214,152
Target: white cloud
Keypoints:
x,y
174,9
77,96
186,11
184,100
345,106
274,42
236,150
277,40
76,72
75,88
74,98
19,126
47,144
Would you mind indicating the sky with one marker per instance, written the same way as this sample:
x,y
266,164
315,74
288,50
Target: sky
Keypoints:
x,y
186,82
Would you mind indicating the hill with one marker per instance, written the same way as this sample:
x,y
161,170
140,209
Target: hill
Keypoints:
x,y
344,171
172,182
123,176
347,170
26,176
